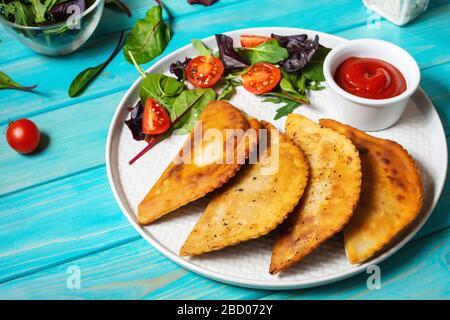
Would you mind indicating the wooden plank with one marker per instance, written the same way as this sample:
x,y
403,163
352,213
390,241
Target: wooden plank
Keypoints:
x,y
59,221
419,271
77,138
132,271
55,74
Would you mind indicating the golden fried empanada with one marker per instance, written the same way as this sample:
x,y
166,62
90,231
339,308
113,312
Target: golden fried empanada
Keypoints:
x,y
254,202
204,163
330,196
391,195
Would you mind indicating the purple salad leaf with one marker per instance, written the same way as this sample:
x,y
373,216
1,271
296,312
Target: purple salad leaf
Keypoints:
x,y
301,50
135,122
229,56
203,2
178,68
291,43
63,10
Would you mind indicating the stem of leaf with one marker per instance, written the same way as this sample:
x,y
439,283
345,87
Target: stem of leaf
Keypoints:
x,y
138,67
124,7
154,140
115,52
22,88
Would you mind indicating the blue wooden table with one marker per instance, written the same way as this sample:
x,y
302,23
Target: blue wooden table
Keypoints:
x,y
58,215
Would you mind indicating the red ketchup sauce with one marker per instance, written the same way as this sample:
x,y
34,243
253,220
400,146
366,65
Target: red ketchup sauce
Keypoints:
x,y
370,78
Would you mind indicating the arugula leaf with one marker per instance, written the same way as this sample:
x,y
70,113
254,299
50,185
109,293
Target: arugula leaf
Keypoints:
x,y
7,83
289,106
269,51
84,78
235,74
314,69
229,89
22,13
194,102
202,49
39,10
148,38
287,95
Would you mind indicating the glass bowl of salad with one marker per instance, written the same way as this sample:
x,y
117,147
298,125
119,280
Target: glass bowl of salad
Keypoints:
x,y
51,27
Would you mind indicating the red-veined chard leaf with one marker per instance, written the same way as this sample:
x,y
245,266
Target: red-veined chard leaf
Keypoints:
x,y
148,38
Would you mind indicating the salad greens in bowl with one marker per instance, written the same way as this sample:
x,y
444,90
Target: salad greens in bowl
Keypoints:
x,y
51,27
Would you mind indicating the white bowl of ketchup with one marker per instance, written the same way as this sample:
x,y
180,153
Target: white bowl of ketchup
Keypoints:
x,y
370,82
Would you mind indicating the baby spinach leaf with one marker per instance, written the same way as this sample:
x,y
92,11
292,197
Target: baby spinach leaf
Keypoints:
x,y
202,49
84,78
184,101
160,87
148,38
269,51
314,69
194,102
7,83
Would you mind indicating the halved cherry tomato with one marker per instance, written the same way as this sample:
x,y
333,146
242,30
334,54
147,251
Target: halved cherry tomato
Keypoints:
x,y
261,78
251,41
155,119
204,71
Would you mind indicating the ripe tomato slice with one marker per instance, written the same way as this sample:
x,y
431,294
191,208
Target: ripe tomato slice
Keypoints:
x,y
251,41
204,71
155,119
261,78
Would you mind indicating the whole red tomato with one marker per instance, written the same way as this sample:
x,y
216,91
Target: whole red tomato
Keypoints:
x,y
23,135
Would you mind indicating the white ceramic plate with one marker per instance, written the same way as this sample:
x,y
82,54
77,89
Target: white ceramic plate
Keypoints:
x,y
419,131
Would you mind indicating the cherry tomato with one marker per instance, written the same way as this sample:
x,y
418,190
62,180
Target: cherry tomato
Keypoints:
x,y
251,41
261,78
204,71
23,135
155,119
